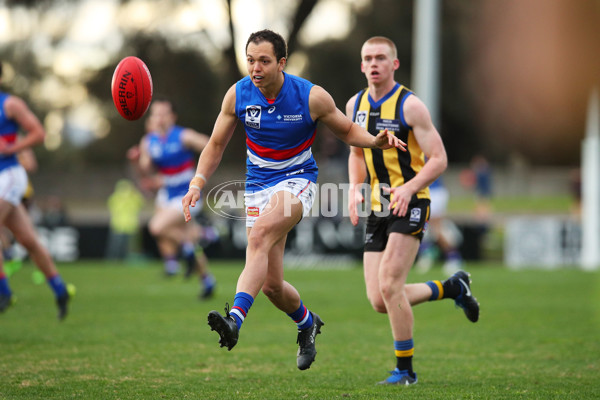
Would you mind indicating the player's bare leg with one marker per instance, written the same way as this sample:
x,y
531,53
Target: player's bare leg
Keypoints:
x,y
20,225
396,262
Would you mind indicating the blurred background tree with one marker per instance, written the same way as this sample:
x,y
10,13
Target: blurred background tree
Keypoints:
x,y
515,74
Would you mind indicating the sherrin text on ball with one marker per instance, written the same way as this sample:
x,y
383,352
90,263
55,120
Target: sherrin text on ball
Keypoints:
x,y
131,88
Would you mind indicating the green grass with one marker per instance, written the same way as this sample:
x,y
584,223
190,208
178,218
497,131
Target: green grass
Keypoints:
x,y
132,334
516,204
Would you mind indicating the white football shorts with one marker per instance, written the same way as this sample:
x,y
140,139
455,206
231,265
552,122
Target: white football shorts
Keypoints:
x,y
256,202
13,184
439,201
163,201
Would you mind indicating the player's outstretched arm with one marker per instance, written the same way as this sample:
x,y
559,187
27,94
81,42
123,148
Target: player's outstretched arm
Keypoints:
x,y
357,171
323,108
194,140
16,109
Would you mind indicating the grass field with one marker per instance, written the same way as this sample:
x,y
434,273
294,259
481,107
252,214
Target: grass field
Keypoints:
x,y
132,334
530,205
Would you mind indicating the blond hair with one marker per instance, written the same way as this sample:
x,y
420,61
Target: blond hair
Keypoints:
x,y
383,40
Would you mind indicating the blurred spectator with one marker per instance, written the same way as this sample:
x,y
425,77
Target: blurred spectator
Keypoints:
x,y
332,158
124,204
478,178
442,234
483,188
16,117
575,182
54,213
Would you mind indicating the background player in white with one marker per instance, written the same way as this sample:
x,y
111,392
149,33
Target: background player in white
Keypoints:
x,y
15,115
442,234
169,151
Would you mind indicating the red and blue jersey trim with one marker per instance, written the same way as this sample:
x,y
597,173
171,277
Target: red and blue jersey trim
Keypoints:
x,y
8,133
279,154
175,169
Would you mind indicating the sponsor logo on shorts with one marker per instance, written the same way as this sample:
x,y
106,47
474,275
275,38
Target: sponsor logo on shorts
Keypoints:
x,y
252,211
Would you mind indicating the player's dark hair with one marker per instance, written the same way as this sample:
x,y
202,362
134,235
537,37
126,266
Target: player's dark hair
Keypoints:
x,y
266,35
165,99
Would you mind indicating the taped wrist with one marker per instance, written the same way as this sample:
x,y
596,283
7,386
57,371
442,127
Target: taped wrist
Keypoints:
x,y
197,180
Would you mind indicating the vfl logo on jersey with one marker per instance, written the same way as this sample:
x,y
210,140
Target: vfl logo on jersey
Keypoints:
x,y
253,116
361,119
415,215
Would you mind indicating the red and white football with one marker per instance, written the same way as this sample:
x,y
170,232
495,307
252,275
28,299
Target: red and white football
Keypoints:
x,y
131,88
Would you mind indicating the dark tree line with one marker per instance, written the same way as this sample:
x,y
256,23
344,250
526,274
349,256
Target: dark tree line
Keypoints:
x,y
197,87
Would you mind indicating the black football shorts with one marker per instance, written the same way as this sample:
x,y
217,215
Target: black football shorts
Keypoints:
x,y
380,226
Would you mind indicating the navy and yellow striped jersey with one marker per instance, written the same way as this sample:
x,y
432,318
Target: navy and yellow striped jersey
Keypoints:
x,y
391,167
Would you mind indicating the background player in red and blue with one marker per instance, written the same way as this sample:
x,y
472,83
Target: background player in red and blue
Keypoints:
x,y
170,151
16,116
280,114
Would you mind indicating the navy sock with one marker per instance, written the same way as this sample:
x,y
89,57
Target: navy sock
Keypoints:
x,y
4,288
302,317
171,265
187,249
241,305
454,255
57,285
437,290
208,280
405,350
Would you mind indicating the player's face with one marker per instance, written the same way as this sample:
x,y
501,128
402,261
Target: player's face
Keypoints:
x,y
263,67
161,116
378,64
